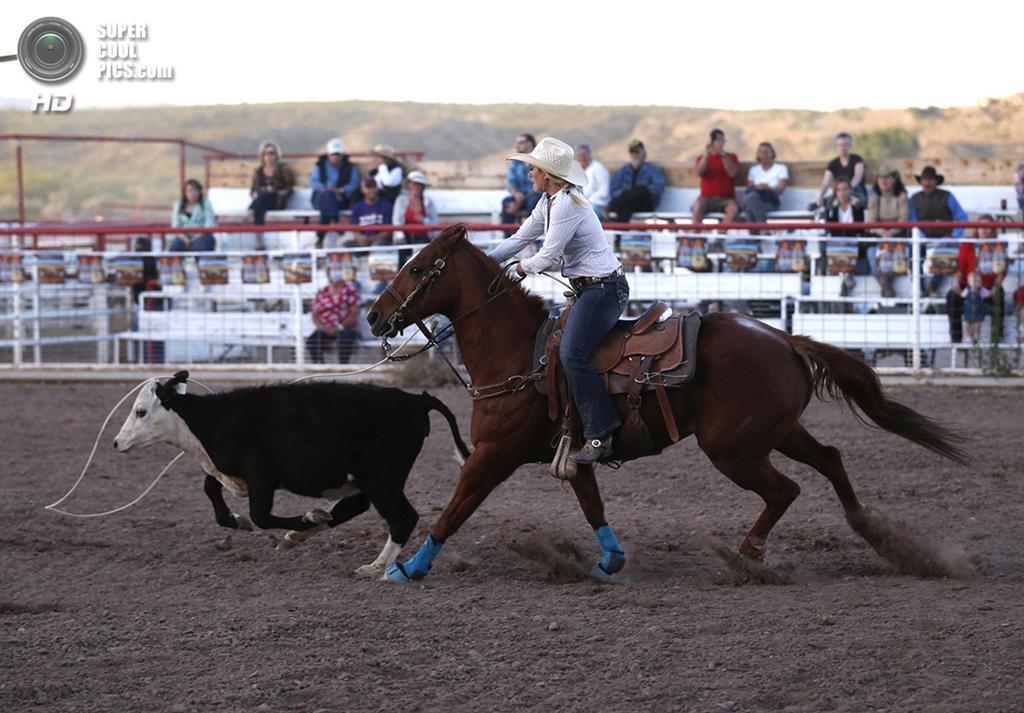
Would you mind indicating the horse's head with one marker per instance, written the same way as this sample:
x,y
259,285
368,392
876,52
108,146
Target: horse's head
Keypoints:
x,y
419,289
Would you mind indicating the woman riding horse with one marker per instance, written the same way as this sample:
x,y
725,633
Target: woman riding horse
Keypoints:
x,y
574,235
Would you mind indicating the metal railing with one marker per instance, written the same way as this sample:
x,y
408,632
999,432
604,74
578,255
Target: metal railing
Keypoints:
x,y
245,308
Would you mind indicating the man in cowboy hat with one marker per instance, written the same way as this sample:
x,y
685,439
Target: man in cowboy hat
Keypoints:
x,y
523,198
932,204
388,171
334,180
637,186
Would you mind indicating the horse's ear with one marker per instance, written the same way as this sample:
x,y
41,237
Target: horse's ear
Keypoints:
x,y
452,235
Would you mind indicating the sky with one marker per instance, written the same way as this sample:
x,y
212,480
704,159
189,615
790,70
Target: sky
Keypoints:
x,y
736,55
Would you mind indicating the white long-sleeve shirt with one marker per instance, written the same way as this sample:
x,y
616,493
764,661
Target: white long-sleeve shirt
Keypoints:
x,y
573,234
598,189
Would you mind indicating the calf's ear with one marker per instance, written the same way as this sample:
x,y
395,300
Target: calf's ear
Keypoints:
x,y
172,388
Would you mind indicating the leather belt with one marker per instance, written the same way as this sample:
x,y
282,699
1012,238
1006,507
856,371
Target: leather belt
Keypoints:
x,y
579,283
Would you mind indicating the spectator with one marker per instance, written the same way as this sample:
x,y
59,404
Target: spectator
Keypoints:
x,y
974,296
846,165
414,207
388,171
888,203
969,262
932,204
336,317
717,170
843,209
371,210
637,186
766,180
597,190
272,183
1018,184
334,180
193,210
523,198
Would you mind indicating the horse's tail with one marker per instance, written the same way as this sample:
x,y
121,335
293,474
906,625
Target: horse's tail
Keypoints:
x,y
435,404
837,374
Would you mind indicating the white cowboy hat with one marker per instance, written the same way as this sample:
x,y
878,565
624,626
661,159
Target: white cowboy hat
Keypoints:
x,y
335,146
556,158
385,150
418,177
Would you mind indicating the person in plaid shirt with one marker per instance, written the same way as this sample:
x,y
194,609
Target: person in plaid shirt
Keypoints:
x,y
335,314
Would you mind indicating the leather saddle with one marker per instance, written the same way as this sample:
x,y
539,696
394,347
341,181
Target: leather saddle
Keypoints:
x,y
649,353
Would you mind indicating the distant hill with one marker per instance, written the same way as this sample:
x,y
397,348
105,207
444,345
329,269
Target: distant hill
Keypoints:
x,y
75,180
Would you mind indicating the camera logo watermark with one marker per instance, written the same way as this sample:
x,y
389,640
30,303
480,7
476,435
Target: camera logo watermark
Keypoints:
x,y
51,50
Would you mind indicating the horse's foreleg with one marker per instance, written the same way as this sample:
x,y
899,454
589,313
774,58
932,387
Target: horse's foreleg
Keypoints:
x,y
485,469
589,496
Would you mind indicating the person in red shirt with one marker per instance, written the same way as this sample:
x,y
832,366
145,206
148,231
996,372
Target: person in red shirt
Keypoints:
x,y
990,264
336,315
717,170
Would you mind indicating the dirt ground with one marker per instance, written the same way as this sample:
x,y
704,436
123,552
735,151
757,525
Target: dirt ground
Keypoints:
x,y
159,609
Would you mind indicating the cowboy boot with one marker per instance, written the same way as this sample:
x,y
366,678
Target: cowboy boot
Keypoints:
x,y
593,451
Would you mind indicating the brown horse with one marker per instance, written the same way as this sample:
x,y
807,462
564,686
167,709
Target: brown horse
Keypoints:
x,y
751,386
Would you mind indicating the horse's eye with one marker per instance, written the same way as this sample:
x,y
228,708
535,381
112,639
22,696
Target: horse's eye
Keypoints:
x,y
416,270
141,413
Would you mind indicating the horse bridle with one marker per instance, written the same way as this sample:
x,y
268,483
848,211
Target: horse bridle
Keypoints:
x,y
405,311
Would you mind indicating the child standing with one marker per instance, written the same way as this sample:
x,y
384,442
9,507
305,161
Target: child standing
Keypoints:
x,y
975,309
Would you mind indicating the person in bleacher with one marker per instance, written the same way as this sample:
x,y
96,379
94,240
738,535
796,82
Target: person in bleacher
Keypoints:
x,y
846,165
1018,184
388,171
193,210
272,183
598,188
637,186
333,180
888,203
336,318
373,209
415,207
766,180
933,204
844,209
717,169
982,259
523,198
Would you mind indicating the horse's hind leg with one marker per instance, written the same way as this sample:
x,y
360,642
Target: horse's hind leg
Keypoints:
x,y
777,491
803,447
589,496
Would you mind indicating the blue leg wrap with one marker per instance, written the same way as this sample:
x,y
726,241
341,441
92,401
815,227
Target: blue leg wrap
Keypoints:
x,y
417,567
614,556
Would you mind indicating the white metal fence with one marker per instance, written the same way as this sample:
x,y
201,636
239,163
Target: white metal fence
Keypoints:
x,y
888,300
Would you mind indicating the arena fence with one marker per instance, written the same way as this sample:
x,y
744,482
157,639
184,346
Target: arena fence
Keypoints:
x,y
79,295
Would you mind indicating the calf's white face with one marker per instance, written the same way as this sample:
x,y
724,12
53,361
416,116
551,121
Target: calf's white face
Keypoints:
x,y
149,422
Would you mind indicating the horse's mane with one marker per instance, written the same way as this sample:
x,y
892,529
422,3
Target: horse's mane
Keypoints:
x,y
531,304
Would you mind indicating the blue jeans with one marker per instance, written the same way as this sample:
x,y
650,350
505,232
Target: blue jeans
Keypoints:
x,y
261,204
199,244
329,205
592,317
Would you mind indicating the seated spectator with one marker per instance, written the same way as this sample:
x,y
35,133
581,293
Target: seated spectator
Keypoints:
x,y
414,207
388,171
597,190
334,180
991,273
932,204
193,210
637,186
336,318
1018,184
843,209
717,170
846,165
371,210
766,180
888,203
523,198
272,183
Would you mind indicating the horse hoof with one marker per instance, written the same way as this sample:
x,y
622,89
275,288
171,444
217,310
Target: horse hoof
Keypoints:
x,y
598,572
243,523
395,573
753,548
368,570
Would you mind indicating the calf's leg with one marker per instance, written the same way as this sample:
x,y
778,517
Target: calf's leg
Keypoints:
x,y
225,518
